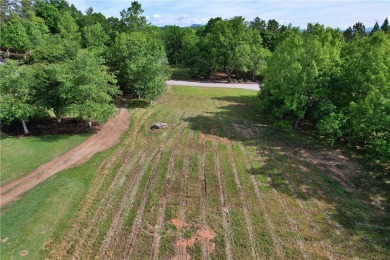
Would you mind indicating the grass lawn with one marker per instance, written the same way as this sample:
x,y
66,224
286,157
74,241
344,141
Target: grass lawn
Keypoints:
x,y
29,226
21,155
219,182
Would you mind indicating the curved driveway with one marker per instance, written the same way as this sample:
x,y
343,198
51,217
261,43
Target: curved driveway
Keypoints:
x,y
252,86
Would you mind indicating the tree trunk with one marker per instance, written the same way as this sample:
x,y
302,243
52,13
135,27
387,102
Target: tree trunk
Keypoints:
x,y
58,117
332,143
296,124
25,127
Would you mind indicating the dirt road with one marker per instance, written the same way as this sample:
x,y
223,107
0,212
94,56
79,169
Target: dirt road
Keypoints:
x,y
109,135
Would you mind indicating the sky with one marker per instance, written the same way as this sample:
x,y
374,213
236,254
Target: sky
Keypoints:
x,y
332,13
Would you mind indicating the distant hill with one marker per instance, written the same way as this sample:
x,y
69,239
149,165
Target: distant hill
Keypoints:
x,y
369,29
194,26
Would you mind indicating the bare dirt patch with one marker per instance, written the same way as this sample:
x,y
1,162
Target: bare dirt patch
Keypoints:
x,y
106,137
340,166
179,223
203,234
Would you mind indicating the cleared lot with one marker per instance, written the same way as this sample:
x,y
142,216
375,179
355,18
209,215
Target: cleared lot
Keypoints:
x,y
215,183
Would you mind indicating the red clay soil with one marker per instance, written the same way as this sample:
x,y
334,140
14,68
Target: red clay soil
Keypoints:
x,y
108,135
203,233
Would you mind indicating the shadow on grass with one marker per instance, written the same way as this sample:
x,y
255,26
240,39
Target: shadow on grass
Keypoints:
x,y
139,103
181,74
3,136
300,165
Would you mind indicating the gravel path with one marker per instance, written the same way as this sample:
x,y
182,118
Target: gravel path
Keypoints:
x,y
252,86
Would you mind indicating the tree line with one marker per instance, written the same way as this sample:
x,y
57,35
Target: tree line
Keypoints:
x,y
73,64
341,86
336,80
339,81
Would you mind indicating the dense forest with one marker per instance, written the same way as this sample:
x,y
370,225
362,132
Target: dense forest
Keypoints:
x,y
71,63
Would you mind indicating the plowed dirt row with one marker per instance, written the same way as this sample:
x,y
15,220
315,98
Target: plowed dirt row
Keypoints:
x,y
90,200
224,205
243,202
163,202
275,238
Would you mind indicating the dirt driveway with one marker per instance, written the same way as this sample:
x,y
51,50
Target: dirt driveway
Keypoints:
x,y
108,135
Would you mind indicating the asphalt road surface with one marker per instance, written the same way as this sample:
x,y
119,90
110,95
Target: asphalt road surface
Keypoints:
x,y
252,86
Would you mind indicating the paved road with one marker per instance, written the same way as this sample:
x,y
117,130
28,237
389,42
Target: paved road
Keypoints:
x,y
252,86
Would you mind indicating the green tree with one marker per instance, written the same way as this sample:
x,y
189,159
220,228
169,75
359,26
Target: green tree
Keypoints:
x,y
283,93
132,18
258,24
359,29
69,34
385,26
209,27
233,46
299,72
271,36
375,29
17,94
114,27
194,54
94,35
173,37
14,35
348,34
331,125
228,38
81,87
52,50
49,13
140,63
55,88
92,88
257,55
36,30
91,18
365,86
